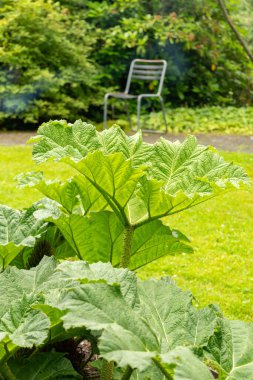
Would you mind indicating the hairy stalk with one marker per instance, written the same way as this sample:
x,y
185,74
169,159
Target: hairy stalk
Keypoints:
x,y
107,371
162,369
7,373
127,373
127,245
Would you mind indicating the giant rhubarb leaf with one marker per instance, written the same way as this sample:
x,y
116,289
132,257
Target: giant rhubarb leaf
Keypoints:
x,y
44,366
17,230
58,139
22,325
99,237
139,181
163,320
23,293
231,350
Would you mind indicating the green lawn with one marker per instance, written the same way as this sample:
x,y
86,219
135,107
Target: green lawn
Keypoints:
x,y
221,269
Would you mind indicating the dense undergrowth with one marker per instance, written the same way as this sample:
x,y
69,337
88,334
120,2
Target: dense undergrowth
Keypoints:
x,y
64,262
223,120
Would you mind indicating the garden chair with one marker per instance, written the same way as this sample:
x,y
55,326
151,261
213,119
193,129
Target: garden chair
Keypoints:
x,y
141,70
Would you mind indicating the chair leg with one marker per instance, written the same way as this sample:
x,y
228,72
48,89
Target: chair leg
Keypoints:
x,y
128,114
164,114
105,110
138,112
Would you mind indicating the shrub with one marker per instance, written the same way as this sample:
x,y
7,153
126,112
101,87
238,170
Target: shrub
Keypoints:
x,y
206,65
45,70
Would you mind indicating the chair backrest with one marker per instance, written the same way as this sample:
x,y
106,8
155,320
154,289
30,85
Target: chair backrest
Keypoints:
x,y
147,70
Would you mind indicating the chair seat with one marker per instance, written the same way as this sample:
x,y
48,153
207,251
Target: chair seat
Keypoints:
x,y
121,95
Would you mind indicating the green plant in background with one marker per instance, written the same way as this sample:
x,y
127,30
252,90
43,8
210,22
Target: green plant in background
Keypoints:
x,y
228,120
45,69
79,50
205,63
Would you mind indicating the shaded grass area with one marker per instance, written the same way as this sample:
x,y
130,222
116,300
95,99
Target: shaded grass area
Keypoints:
x,y
221,269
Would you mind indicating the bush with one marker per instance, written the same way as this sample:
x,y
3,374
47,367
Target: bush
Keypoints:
x,y
206,65
58,58
44,67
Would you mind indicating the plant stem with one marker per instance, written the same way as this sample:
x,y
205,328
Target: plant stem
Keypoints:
x,y
7,373
162,369
107,371
127,374
127,245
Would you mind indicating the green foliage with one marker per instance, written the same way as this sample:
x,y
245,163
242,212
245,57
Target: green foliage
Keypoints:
x,y
205,63
226,220
229,120
44,67
152,327
77,51
43,366
113,209
17,230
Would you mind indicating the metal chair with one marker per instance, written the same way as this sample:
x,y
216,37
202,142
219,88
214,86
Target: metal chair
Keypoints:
x,y
141,70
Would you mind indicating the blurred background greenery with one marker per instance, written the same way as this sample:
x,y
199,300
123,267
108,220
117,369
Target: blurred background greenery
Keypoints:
x,y
58,58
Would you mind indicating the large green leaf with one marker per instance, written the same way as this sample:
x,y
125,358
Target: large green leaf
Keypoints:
x,y
191,168
163,320
171,315
43,366
76,195
180,175
50,276
58,139
151,201
99,237
133,147
18,229
185,365
83,272
186,166
113,176
231,350
15,282
154,240
23,293
22,325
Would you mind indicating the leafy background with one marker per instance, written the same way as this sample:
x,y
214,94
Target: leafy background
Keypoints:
x,y
58,58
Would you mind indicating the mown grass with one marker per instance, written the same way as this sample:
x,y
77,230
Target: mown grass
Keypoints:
x,y
221,269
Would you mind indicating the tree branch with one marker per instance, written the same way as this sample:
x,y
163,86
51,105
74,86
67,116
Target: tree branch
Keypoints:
x,y
237,34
